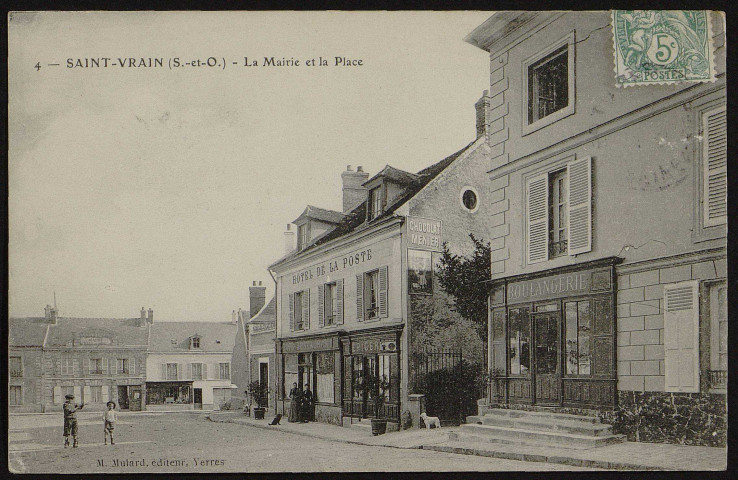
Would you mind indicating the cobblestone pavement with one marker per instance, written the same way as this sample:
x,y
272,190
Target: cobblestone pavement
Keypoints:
x,y
191,443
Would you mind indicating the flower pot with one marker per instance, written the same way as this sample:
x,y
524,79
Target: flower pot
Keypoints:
x,y
379,426
259,413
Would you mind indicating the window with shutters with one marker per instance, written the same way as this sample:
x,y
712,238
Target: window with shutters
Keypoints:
x,y
548,80
330,304
559,211
123,366
96,395
300,304
714,167
96,366
224,369
171,370
196,371
15,395
67,365
371,294
681,337
718,306
15,366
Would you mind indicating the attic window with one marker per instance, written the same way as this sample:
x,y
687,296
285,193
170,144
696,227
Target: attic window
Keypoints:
x,y
195,342
375,203
303,235
469,199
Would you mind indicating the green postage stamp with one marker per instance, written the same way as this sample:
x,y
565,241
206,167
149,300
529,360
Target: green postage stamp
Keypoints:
x,y
662,46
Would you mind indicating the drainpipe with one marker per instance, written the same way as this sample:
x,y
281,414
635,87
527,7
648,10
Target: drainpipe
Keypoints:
x,y
277,390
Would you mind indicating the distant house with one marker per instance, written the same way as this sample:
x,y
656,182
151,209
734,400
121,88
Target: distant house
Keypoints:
x,y
25,364
96,360
189,365
253,351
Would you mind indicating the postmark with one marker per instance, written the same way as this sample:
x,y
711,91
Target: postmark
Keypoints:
x,y
662,47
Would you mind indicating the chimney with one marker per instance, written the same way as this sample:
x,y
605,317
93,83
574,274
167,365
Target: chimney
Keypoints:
x,y
257,298
142,320
50,314
289,240
151,315
353,191
482,107
233,317
53,316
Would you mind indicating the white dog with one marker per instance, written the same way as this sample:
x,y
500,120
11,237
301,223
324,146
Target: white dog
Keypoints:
x,y
430,421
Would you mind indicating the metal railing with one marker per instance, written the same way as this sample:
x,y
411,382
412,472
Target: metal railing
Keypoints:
x,y
718,378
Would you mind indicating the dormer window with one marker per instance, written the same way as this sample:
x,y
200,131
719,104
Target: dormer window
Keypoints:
x,y
303,235
375,202
195,342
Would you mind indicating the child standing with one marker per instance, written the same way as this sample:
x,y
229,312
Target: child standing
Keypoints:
x,y
70,419
109,419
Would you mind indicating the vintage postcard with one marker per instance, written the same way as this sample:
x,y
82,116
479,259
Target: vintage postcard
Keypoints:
x,y
448,241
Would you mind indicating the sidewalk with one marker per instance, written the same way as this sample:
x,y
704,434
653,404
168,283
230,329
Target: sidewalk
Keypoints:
x,y
23,421
623,456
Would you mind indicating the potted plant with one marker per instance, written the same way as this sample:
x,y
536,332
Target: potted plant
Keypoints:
x,y
379,425
258,394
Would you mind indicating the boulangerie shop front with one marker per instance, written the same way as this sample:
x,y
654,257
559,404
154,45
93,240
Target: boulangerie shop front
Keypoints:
x,y
552,337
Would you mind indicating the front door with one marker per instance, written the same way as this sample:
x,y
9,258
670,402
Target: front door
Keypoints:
x,y
264,381
134,398
197,397
547,357
123,397
365,371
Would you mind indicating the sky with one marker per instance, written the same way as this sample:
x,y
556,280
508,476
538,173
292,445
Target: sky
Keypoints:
x,y
171,189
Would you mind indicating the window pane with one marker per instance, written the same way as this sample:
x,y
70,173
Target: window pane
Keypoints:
x,y
498,325
519,349
548,85
585,329
571,338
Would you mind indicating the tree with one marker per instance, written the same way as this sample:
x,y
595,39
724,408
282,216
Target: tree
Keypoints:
x,y
463,279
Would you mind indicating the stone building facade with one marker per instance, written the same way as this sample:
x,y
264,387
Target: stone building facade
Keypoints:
x,y
609,269
25,364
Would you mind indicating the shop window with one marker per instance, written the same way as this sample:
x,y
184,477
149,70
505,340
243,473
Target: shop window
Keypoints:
x,y
305,371
681,336
224,369
171,371
197,371
519,334
290,372
718,297
559,212
384,376
123,366
167,393
67,365
371,288
325,377
549,80
221,396
375,204
15,365
299,303
578,337
330,303
15,395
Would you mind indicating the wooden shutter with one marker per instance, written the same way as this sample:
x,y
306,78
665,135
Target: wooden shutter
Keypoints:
x,y
580,206
105,366
75,368
189,371
714,167
321,305
105,394
86,394
77,393
132,366
383,273
339,302
360,297
87,365
537,221
681,337
291,301
204,371
180,371
57,394
163,371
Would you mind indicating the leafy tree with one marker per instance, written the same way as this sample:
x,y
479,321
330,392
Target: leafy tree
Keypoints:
x,y
462,278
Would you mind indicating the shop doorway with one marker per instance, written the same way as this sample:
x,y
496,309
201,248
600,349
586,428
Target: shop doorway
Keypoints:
x,y
547,376
134,398
264,381
197,397
364,388
123,397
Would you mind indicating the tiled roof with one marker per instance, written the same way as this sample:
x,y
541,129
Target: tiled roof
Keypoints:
x,y
26,332
322,214
175,336
267,314
394,174
122,331
355,220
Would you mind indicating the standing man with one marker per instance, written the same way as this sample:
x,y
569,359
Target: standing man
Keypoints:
x,y
70,419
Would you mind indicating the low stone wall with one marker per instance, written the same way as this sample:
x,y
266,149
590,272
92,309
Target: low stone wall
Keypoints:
x,y
681,418
328,414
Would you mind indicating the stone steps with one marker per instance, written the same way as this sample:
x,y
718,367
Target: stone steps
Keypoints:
x,y
540,428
